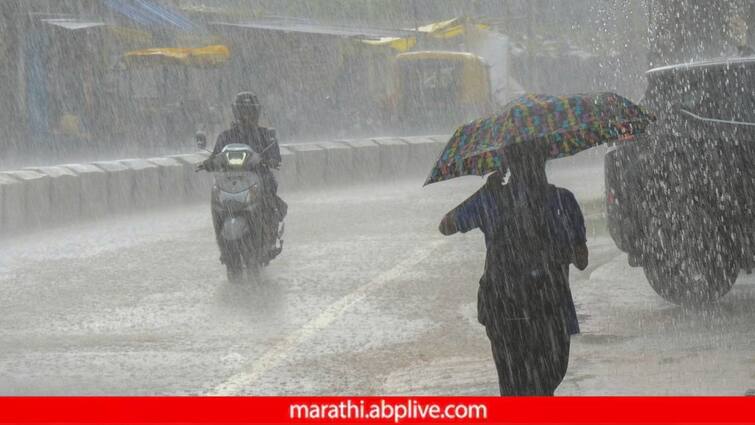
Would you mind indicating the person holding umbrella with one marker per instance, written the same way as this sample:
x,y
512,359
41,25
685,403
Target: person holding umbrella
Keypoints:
x,y
533,230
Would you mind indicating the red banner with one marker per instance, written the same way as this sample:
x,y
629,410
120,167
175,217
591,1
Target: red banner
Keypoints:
x,y
376,410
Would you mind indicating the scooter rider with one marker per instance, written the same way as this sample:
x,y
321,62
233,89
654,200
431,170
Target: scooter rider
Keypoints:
x,y
245,130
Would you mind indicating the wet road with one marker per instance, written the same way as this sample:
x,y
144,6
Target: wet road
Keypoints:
x,y
367,298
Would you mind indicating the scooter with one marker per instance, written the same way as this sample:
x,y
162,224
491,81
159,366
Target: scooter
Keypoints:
x,y
248,237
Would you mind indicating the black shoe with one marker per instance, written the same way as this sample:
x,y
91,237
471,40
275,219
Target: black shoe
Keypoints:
x,y
281,208
273,252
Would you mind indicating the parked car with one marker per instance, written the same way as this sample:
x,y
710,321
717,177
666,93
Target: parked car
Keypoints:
x,y
680,200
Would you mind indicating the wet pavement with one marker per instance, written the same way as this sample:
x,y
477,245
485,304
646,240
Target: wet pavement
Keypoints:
x,y
367,298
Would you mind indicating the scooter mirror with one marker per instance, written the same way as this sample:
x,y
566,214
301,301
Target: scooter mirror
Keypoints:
x,y
201,140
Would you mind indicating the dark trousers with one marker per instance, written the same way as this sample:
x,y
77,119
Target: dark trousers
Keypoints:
x,y
274,201
531,355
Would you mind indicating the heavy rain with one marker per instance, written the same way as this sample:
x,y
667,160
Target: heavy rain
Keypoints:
x,y
407,197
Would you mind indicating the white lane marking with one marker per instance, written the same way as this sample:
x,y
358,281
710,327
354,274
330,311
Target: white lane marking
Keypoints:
x,y
276,355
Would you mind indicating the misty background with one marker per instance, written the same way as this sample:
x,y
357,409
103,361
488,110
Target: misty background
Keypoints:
x,y
323,69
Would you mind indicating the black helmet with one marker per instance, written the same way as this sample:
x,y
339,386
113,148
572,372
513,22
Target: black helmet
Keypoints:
x,y
246,99
246,104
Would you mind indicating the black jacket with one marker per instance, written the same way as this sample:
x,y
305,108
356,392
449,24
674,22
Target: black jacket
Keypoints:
x,y
260,139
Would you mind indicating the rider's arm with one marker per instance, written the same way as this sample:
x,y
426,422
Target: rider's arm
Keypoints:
x,y
210,163
273,152
220,143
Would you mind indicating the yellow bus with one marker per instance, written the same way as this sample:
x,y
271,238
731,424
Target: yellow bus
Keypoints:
x,y
440,90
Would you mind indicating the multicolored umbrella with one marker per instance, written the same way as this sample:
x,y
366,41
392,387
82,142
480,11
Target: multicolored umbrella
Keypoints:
x,y
567,124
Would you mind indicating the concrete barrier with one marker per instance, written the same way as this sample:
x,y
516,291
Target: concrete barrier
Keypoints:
x,y
366,160
171,180
145,185
35,197
119,183
65,193
394,158
439,138
62,193
93,189
339,163
287,177
310,165
197,185
423,153
11,204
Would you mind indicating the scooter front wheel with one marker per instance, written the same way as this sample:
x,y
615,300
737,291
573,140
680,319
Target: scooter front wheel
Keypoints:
x,y
252,262
234,269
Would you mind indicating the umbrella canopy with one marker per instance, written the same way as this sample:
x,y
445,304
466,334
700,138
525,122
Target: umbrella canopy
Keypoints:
x,y
567,124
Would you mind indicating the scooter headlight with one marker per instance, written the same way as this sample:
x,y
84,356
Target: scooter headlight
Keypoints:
x,y
236,159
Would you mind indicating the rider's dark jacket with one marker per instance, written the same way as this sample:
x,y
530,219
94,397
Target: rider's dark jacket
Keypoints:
x,y
261,139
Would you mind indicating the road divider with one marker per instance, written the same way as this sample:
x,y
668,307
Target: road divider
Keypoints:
x,y
39,196
119,181
366,164
171,187
65,194
420,149
339,163
11,201
394,158
196,186
311,163
30,198
92,190
143,189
